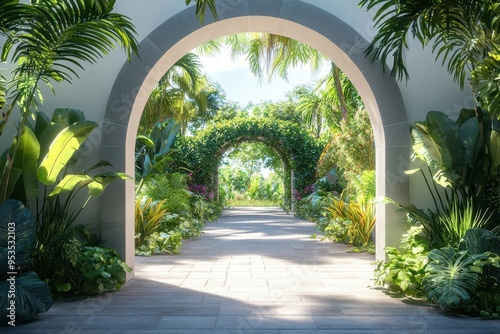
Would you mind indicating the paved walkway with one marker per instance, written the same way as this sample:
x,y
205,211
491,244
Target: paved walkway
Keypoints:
x,y
255,270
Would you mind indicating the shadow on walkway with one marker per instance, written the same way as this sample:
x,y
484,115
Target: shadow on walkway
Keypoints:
x,y
255,270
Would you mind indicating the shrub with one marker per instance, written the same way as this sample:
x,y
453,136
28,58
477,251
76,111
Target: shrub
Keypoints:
x,y
148,218
161,243
102,269
405,268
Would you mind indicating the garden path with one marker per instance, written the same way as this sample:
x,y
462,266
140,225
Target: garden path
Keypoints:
x,y
255,270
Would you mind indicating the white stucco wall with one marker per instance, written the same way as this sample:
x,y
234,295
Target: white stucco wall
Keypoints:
x,y
429,87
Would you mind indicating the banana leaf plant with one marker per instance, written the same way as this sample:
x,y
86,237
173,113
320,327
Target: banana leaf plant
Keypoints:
x,y
152,154
45,152
462,162
29,294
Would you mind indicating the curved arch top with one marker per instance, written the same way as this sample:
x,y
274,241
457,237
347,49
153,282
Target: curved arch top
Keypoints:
x,y
297,149
292,18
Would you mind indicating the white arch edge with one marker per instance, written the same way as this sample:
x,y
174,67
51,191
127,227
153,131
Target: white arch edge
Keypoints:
x,y
320,29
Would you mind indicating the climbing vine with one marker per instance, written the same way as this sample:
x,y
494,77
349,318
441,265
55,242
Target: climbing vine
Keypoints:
x,y
297,149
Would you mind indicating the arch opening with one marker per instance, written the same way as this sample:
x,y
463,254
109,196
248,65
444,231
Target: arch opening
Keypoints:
x,y
298,20
298,151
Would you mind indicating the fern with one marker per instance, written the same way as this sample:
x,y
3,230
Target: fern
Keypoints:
x,y
172,189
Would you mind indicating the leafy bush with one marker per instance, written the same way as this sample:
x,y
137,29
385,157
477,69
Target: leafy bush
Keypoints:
x,y
336,229
148,218
103,270
172,189
351,149
405,268
360,214
312,206
467,279
160,243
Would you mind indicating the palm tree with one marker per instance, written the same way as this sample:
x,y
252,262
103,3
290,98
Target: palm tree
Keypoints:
x,y
462,33
201,6
49,41
272,55
318,110
180,94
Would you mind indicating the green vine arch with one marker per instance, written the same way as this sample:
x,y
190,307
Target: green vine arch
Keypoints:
x,y
299,151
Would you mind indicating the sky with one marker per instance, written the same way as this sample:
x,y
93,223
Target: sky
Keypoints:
x,y
242,86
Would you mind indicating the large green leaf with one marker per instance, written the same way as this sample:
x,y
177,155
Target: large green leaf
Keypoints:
x,y
46,133
32,296
494,152
96,184
472,140
420,148
480,240
62,149
465,114
100,182
452,278
8,181
26,161
444,139
67,116
70,182
17,221
147,141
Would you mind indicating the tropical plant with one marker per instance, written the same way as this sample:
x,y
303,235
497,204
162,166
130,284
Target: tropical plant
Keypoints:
x,y
183,94
148,218
361,215
102,269
201,6
463,34
58,141
461,171
452,225
351,149
172,189
452,277
336,229
404,269
23,293
272,55
85,30
161,243
318,111
153,152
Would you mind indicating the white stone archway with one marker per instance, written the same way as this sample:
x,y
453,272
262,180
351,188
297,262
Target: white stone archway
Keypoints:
x,y
295,19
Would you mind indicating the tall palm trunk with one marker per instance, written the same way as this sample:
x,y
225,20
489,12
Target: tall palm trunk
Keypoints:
x,y
340,93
